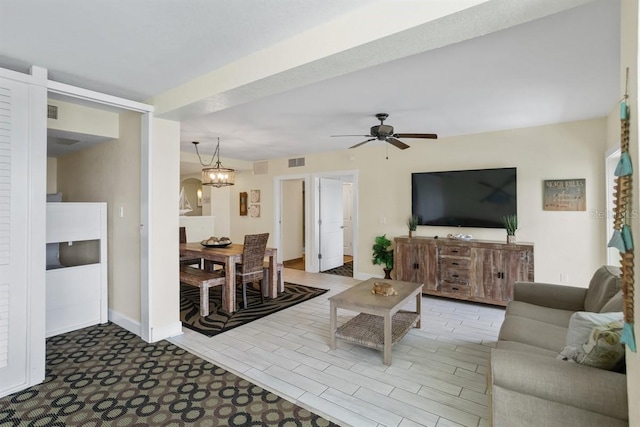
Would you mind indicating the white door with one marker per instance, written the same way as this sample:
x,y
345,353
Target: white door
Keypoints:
x,y
14,253
331,218
347,218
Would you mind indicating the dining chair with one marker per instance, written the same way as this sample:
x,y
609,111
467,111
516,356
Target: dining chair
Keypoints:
x,y
187,260
251,270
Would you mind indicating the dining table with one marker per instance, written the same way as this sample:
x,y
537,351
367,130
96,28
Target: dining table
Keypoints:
x,y
230,256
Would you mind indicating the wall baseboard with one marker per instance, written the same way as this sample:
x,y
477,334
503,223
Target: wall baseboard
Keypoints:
x,y
157,334
125,322
166,331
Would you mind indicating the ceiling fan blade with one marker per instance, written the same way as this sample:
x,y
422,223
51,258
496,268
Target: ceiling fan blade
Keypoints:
x,y
363,142
416,135
397,143
366,136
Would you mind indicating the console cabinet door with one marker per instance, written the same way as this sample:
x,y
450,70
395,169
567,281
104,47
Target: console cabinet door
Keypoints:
x,y
415,262
518,266
487,274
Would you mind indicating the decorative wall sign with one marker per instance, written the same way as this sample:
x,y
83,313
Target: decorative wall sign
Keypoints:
x,y
565,195
255,196
243,204
254,211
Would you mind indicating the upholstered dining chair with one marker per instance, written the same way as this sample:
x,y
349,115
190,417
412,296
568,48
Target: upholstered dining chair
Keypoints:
x,y
251,270
187,260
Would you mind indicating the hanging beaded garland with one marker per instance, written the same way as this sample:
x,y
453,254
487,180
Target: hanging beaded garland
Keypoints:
x,y
622,238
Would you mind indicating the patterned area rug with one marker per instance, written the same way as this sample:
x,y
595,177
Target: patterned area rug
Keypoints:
x,y
219,321
345,269
104,375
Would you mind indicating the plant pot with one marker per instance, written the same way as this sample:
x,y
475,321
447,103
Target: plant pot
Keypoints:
x,y
387,273
411,233
511,238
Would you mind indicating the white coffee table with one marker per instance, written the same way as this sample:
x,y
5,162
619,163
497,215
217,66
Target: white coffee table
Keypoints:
x,y
380,323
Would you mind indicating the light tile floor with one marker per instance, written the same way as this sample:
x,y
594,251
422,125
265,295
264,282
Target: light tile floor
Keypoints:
x,y
437,375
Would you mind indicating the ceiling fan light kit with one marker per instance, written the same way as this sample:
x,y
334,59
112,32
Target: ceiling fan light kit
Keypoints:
x,y
385,133
216,176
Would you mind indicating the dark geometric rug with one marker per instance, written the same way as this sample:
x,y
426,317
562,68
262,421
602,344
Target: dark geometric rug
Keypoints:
x,y
105,375
219,321
345,269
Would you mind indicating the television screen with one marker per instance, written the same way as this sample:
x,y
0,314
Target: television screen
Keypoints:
x,y
466,198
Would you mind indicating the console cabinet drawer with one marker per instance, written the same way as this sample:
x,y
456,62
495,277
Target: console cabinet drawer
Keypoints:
x,y
455,275
462,289
455,263
459,251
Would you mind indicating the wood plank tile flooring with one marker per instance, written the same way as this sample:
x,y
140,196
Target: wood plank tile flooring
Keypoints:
x,y
437,375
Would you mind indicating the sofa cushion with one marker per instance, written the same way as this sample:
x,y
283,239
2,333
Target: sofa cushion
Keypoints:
x,y
525,348
614,304
604,284
533,332
553,316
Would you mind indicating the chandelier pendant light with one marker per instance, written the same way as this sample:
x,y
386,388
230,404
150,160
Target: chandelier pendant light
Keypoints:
x,y
216,176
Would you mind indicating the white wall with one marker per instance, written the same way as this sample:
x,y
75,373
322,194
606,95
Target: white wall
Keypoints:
x,y
164,283
84,120
199,228
292,215
221,206
571,243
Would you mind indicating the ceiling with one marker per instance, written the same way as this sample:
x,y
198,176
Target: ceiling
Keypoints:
x,y
557,68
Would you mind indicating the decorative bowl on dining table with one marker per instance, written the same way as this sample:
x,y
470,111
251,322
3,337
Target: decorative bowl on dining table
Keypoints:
x,y
216,242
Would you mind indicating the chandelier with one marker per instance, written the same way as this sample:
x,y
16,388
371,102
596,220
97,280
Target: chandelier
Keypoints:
x,y
216,176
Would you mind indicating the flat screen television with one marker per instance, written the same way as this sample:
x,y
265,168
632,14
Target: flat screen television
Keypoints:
x,y
464,198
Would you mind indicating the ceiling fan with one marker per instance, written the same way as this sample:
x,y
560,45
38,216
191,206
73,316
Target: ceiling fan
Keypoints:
x,y
384,132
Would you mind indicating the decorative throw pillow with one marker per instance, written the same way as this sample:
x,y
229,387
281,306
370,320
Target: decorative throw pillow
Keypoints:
x,y
581,324
604,348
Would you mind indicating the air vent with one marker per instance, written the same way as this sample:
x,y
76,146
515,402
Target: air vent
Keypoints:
x,y
260,168
52,112
294,163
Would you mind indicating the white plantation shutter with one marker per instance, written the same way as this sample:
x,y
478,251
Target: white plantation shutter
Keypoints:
x,y
22,194
5,219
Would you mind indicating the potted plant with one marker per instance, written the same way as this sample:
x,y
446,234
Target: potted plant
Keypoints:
x,y
510,223
412,223
383,254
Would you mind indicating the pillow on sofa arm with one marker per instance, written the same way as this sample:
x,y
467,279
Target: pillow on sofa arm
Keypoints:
x,y
581,326
604,347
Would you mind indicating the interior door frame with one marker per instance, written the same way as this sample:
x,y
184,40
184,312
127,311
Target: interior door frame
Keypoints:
x,y
351,176
312,214
277,217
145,330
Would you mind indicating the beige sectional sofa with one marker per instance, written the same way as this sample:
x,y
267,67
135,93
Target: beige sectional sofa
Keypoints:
x,y
529,385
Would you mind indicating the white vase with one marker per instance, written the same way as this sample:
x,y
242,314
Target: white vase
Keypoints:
x,y
511,238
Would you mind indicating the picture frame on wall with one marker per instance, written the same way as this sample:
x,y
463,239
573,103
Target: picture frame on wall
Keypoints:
x,y
243,203
254,211
255,196
564,194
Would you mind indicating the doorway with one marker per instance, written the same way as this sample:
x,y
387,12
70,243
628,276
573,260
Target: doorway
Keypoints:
x,y
303,204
